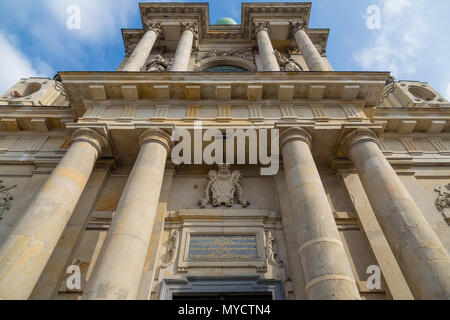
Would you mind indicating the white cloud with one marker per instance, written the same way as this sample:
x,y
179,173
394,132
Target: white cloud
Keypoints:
x,y
100,19
398,47
410,42
447,92
15,65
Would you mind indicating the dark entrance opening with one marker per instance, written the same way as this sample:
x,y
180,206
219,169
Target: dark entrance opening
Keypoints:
x,y
224,296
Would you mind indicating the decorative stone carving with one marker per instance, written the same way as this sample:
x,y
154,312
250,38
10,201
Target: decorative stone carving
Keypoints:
x,y
271,250
443,201
5,198
156,27
287,64
232,53
128,51
259,26
159,64
297,25
192,26
172,248
294,51
223,188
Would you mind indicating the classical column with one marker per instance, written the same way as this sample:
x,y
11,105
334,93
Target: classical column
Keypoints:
x,y
140,54
325,264
184,48
26,251
419,252
312,57
268,58
118,271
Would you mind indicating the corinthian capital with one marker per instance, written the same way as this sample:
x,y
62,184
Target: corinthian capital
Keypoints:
x,y
154,26
297,25
262,25
191,26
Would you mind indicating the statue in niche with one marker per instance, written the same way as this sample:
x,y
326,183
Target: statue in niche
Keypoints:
x,y
287,64
443,200
5,198
158,64
223,188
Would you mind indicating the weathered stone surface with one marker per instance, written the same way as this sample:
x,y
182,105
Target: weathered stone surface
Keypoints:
x,y
422,257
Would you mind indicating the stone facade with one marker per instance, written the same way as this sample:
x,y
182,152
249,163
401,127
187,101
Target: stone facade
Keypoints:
x,y
88,182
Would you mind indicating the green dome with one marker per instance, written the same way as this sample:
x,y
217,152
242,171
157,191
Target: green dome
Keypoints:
x,y
225,21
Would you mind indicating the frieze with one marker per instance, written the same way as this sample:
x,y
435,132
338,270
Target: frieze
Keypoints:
x,y
231,53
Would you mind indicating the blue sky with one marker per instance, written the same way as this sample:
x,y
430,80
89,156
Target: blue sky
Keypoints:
x,y
413,41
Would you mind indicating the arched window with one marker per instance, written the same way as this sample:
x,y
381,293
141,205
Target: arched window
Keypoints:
x,y
225,68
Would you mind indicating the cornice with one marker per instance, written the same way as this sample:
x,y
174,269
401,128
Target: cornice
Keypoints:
x,y
366,87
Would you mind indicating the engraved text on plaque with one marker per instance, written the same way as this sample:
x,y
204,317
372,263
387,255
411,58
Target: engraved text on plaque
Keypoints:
x,y
222,247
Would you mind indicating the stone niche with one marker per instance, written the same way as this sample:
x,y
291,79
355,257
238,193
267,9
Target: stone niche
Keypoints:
x,y
414,94
34,92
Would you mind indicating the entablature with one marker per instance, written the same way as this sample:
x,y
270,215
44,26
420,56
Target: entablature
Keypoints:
x,y
193,87
39,119
278,14
405,121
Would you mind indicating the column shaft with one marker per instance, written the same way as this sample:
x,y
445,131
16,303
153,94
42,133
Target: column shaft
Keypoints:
x,y
117,273
140,54
267,54
184,48
26,251
312,57
420,254
325,264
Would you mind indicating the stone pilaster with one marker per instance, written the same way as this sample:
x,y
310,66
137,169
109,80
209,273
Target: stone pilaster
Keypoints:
x,y
26,251
189,31
268,58
118,271
419,252
140,54
309,51
325,264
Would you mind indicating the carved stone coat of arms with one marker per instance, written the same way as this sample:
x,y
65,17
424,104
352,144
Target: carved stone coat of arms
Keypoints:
x,y
223,188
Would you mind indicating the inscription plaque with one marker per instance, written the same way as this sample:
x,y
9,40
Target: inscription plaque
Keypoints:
x,y
222,248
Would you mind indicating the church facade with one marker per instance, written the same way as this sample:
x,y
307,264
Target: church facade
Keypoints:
x,y
224,161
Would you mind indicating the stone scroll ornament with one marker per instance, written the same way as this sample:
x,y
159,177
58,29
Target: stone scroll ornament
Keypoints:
x,y
443,200
287,64
5,198
172,248
223,188
271,250
159,64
